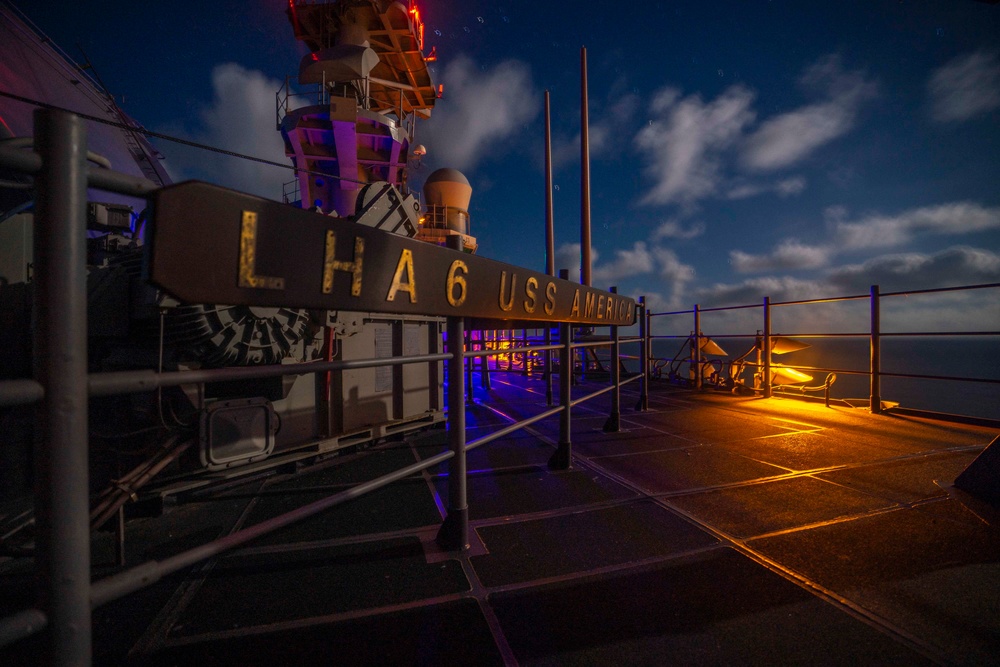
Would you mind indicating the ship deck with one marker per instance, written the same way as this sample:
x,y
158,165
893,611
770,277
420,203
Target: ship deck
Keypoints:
x,y
712,529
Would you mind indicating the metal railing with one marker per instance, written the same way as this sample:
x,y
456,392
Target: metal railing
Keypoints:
x,y
874,335
62,387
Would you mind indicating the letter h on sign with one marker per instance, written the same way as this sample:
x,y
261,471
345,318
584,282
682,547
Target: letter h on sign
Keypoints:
x,y
330,264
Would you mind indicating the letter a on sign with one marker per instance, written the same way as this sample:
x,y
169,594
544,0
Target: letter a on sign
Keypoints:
x,y
405,264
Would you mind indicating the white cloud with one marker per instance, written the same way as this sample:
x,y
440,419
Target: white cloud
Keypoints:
x,y
240,119
790,186
871,232
879,231
481,111
634,261
753,290
674,273
641,260
784,188
965,87
670,267
790,137
958,265
789,255
683,144
568,257
688,142
673,229
671,273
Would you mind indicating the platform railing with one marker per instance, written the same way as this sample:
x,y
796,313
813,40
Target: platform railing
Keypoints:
x,y
61,387
875,335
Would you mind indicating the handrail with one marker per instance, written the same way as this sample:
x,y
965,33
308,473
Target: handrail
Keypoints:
x,y
70,595
875,336
20,392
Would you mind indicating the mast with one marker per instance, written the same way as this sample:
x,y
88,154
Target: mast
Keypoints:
x,y
585,173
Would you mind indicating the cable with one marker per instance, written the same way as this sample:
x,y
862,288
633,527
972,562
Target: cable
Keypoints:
x,y
178,140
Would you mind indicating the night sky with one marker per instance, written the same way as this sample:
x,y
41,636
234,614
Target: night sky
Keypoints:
x,y
739,148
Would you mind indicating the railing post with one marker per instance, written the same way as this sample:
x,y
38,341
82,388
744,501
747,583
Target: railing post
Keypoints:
x,y
454,532
471,346
548,364
613,423
485,363
766,347
60,351
644,330
525,356
696,349
561,459
875,400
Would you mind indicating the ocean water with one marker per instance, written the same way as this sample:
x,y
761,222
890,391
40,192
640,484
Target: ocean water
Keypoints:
x,y
965,357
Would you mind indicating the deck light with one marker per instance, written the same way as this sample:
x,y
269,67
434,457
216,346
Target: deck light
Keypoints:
x,y
780,374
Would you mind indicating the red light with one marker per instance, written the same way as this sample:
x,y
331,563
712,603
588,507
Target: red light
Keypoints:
x,y
418,24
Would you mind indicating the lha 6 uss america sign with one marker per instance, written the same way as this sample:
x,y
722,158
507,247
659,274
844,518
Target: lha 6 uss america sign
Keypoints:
x,y
212,245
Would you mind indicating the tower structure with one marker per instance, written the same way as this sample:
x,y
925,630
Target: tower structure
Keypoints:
x,y
370,83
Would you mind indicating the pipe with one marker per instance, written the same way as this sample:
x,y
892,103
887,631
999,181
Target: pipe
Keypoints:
x,y
875,399
766,347
643,404
585,173
560,460
613,423
550,243
60,359
454,532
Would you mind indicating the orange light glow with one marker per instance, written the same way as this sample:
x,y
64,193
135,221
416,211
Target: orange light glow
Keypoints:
x,y
418,26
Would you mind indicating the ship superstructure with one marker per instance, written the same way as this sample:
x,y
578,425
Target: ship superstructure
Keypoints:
x,y
350,117
368,81
349,122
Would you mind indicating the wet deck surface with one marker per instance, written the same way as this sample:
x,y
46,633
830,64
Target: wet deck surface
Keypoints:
x,y
710,530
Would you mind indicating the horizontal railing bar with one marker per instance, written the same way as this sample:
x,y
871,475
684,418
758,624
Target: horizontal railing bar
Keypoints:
x,y
939,377
940,289
507,430
119,585
592,343
20,392
19,159
113,181
22,624
123,382
30,162
939,333
637,376
702,310
848,334
718,308
597,393
847,371
834,299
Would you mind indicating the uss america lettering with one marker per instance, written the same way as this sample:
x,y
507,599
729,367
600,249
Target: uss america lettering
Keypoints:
x,y
213,245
